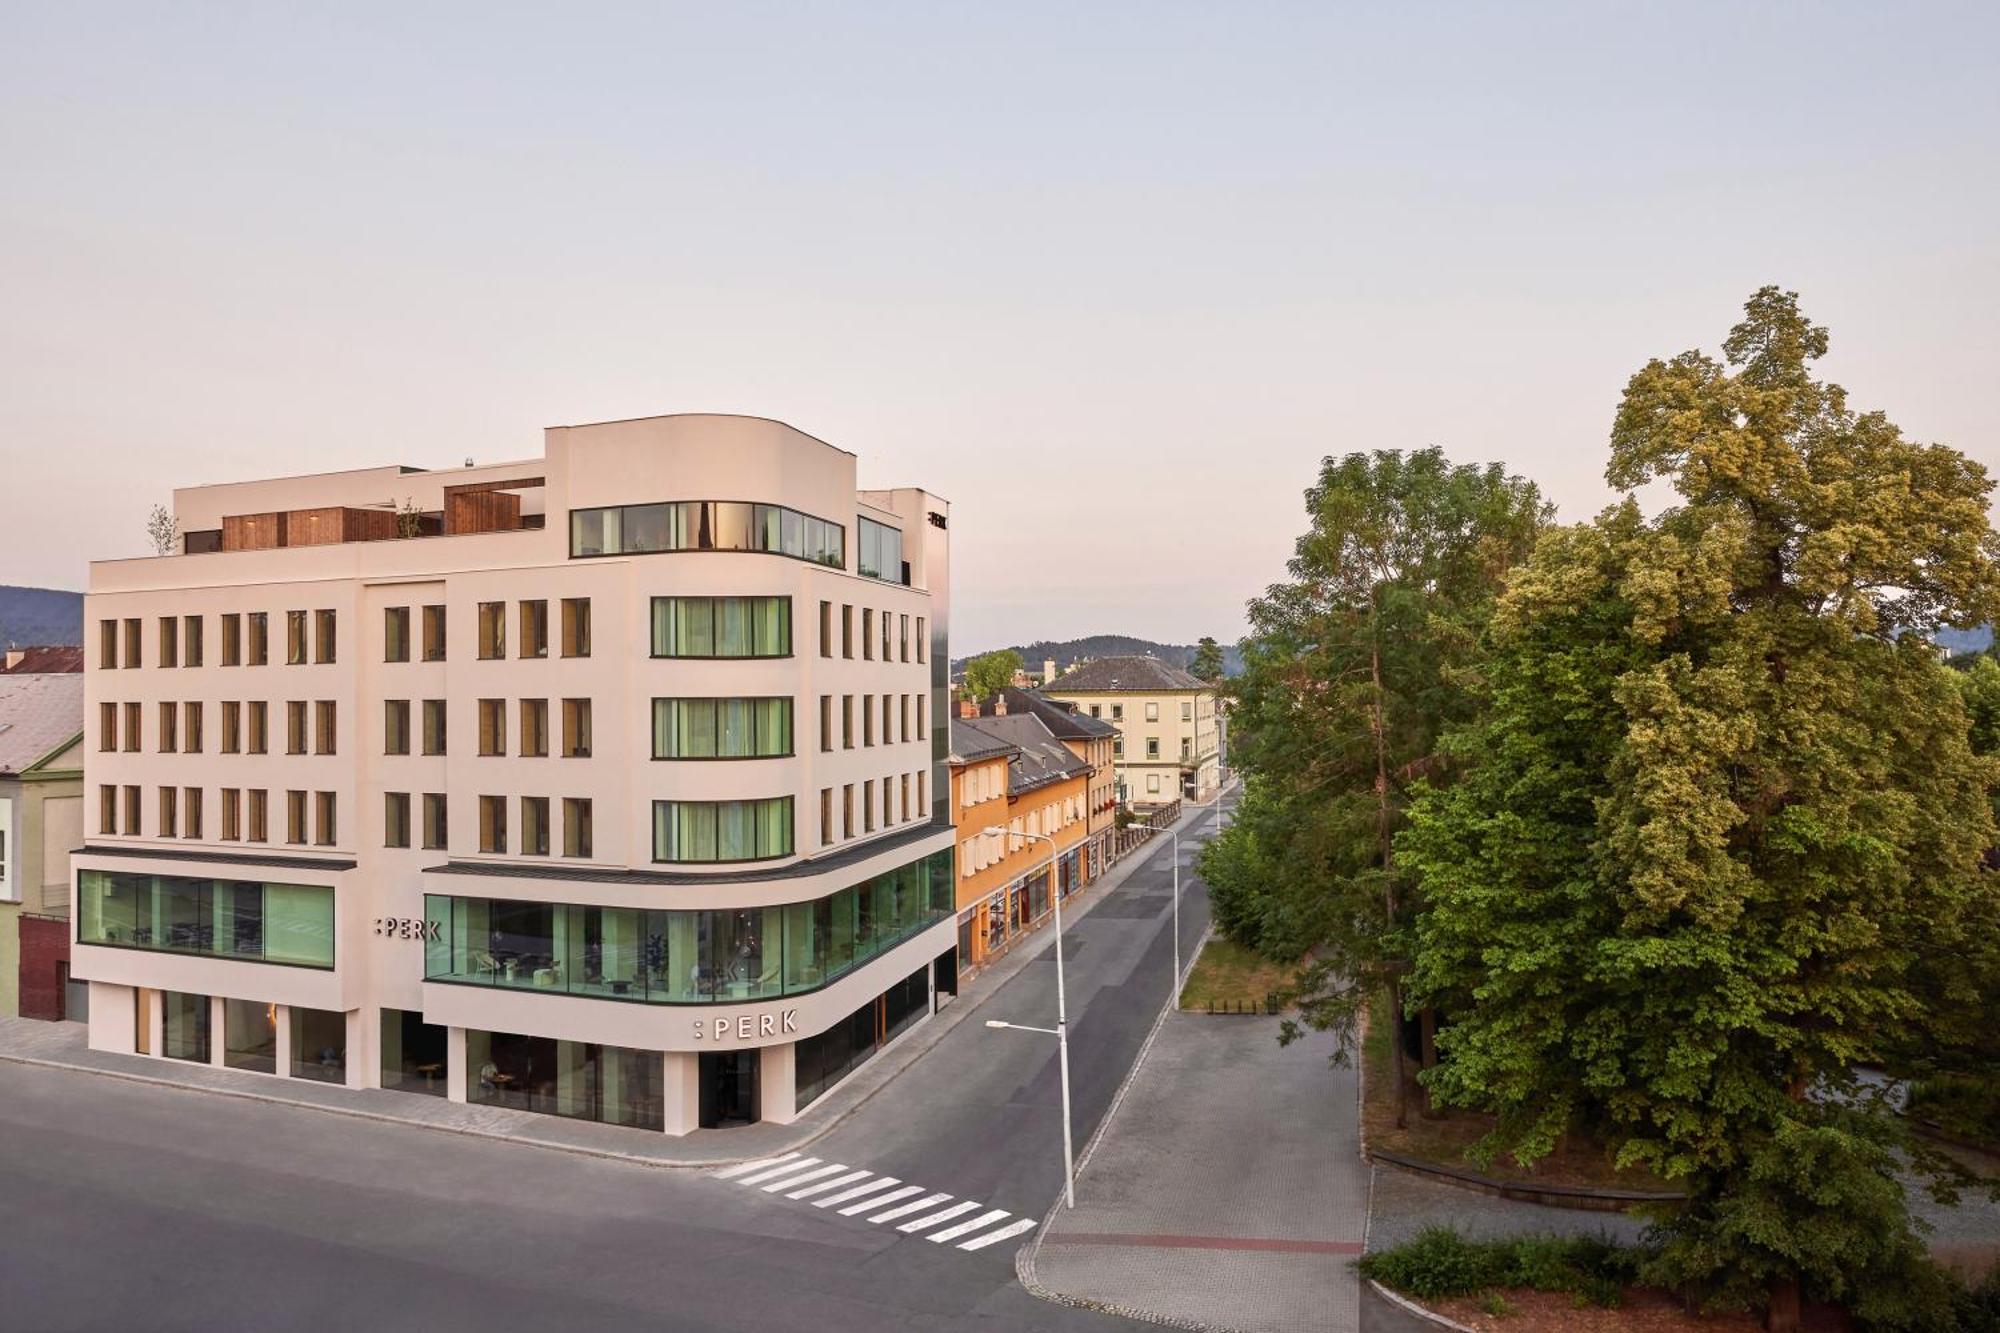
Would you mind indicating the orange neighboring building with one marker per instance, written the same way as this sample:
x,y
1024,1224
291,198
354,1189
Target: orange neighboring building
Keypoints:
x,y
1090,739
1011,771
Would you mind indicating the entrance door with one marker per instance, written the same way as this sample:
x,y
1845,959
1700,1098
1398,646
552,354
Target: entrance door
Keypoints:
x,y
728,1088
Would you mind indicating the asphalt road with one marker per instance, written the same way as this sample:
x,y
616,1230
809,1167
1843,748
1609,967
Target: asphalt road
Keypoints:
x,y
127,1206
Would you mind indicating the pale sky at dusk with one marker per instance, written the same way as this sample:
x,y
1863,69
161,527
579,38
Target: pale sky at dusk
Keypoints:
x,y
1112,278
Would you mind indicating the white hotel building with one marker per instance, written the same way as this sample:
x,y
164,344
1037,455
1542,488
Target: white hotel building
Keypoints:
x,y
608,784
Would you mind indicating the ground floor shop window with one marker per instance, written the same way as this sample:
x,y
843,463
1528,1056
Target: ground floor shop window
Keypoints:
x,y
614,1085
319,1045
822,1061
250,1035
185,1035
413,1053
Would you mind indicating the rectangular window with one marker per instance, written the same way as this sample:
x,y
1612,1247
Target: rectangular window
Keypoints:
x,y
722,627
184,1026
190,812
1187,711
903,717
881,550
434,736
1152,747
250,1036
846,631
191,727
887,703
295,817
323,727
902,638
576,728
232,814
535,628
324,832
395,726
170,641
867,807
534,826
534,728
295,726
492,727
493,824
711,831
576,826
847,810
921,641
885,636
1153,712
867,720
1153,783
260,727
169,728
903,794
319,1044
923,733
132,645
826,629
826,816
492,630
1187,748
323,637
132,810
259,811
191,641
259,653
395,634
107,644
169,812
436,822
134,722
1118,747
706,525
576,627
232,726
107,727
295,638
1118,712
722,728
867,634
107,808
434,634
847,722
826,723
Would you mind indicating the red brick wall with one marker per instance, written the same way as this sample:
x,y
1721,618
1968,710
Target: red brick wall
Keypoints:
x,y
44,944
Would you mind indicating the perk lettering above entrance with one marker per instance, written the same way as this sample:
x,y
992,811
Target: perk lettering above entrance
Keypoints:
x,y
407,927
746,1027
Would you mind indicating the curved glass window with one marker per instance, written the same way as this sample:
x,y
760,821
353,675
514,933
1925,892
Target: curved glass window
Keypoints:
x,y
722,728
217,918
722,627
710,956
708,525
707,831
881,553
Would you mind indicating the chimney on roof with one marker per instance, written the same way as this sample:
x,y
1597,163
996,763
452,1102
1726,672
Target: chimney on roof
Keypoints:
x,y
999,705
15,657
968,707
1048,669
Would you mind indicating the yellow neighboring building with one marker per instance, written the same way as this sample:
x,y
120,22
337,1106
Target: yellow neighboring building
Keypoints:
x,y
1167,746
1010,771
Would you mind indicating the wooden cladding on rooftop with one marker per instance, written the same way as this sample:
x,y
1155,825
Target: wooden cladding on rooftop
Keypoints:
x,y
306,527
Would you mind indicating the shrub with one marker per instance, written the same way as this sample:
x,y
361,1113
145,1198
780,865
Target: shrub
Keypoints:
x,y
1441,1263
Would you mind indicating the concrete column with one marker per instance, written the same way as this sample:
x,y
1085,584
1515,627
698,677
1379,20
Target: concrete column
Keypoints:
x,y
680,1091
113,1018
454,1064
777,1084
364,1069
156,1022
218,1036
284,1021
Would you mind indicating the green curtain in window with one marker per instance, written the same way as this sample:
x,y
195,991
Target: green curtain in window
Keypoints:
x,y
298,924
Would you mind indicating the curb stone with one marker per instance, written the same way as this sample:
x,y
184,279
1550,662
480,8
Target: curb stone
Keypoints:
x,y
1410,1307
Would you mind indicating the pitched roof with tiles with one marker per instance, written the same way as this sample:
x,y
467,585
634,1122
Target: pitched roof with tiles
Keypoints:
x,y
1061,718
39,715
1136,675
1038,758
969,743
41,660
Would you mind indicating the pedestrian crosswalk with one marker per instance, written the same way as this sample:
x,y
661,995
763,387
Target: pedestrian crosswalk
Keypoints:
x,y
881,1200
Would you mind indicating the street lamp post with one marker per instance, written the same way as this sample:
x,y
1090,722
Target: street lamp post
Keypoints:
x,y
1061,1029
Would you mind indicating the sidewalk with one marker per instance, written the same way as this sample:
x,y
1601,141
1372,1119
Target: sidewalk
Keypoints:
x,y
64,1045
1226,1191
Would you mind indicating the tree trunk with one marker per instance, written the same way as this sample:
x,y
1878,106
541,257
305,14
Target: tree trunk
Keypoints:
x,y
1783,1316
1427,1026
1400,1073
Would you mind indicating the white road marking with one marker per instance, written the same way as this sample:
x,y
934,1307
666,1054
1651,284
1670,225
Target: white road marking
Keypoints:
x,y
891,1196
880,1183
790,1181
787,1169
743,1167
833,1184
983,1220
942,1215
1011,1229
928,1201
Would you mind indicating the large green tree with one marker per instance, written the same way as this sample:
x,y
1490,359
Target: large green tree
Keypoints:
x,y
1207,660
990,673
1353,668
1722,804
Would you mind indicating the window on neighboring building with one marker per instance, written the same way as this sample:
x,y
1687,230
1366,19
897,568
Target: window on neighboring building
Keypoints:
x,y
132,810
1153,784
436,821
395,819
434,634
169,812
232,639
846,631
867,807
847,810
534,826
847,722
1187,748
492,727
396,634
260,727
826,723
1153,712
903,638
709,831
1187,711
1118,712
107,644
826,816
867,634
232,814
867,720
576,728
1152,747
826,629
191,727
534,728
132,645
920,639
259,647
191,812
170,641
169,728
323,824
323,645
232,726
535,628
323,727
191,641
395,726
107,727
107,808
576,627
295,638
258,808
434,726
493,824
492,631
295,727
576,826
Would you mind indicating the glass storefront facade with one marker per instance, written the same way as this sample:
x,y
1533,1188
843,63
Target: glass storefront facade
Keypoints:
x,y
414,1053
822,1060
703,956
319,1044
250,1035
184,1026
706,525
218,918
614,1085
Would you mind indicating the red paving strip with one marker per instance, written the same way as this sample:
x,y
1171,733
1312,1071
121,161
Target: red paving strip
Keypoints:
x,y
1207,1243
